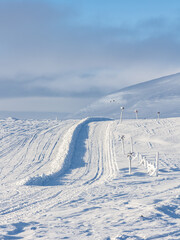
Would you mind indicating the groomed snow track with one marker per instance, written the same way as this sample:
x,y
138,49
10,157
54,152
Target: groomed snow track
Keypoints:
x,y
98,162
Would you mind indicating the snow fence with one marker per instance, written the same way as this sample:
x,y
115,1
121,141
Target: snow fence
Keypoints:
x,y
148,162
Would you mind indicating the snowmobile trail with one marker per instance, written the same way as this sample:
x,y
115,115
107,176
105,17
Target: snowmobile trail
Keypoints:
x,y
86,155
101,155
93,159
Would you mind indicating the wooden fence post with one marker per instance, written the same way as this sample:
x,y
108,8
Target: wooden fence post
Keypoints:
x,y
157,163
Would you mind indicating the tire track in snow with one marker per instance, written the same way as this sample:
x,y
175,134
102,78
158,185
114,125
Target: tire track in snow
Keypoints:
x,y
101,164
102,153
110,153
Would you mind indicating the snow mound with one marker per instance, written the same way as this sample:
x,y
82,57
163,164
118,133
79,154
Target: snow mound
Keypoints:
x,y
158,95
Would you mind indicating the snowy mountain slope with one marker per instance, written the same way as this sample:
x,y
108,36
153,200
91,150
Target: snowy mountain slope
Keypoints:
x,y
94,197
148,98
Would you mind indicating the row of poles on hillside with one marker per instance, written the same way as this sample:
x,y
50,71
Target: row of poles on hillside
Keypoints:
x,y
136,114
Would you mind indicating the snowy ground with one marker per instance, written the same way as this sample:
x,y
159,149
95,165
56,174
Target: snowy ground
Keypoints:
x,y
69,180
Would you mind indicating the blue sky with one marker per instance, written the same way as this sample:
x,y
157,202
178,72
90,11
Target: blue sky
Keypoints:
x,y
116,12
59,55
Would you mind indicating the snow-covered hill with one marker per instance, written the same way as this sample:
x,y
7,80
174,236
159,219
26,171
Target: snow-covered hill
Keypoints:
x,y
70,180
158,95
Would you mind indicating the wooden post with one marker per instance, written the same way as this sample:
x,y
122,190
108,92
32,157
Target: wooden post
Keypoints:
x,y
121,115
158,113
131,145
122,139
157,163
136,112
130,158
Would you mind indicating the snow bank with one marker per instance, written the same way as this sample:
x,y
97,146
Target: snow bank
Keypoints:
x,y
62,162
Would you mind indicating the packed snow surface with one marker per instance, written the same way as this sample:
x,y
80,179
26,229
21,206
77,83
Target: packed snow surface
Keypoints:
x,y
70,179
158,95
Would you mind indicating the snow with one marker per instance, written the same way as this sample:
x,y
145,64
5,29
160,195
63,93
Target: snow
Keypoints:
x,y
70,179
158,95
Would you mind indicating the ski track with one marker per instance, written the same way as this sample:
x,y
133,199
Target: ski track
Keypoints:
x,y
94,198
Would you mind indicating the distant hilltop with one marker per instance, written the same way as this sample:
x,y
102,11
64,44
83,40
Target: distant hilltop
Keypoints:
x,y
148,98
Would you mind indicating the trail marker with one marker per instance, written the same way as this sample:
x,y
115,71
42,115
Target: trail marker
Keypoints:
x,y
157,163
136,112
131,145
130,155
158,113
122,109
122,140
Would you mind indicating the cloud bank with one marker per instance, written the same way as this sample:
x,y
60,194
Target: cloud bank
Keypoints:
x,y
47,50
